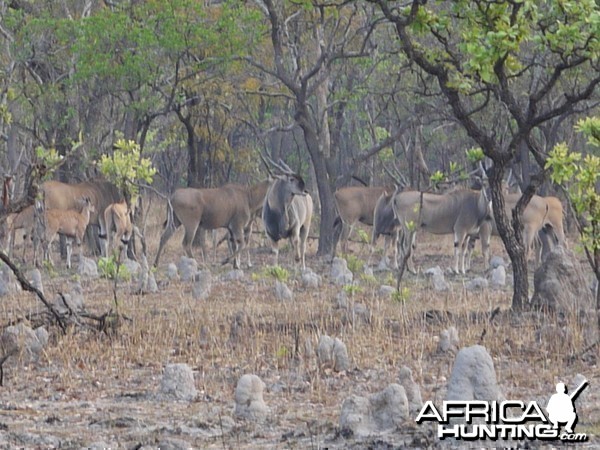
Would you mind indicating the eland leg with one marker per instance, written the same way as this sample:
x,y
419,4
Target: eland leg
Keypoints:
x,y
104,240
69,246
247,237
459,253
345,237
164,238
188,238
275,250
303,238
238,243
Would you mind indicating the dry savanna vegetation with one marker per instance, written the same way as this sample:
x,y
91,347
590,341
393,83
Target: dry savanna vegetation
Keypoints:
x,y
100,388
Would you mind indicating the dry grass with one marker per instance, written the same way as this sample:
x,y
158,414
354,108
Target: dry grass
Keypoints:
x,y
90,387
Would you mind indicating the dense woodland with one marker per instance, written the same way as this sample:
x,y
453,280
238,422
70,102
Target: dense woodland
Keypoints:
x,y
337,89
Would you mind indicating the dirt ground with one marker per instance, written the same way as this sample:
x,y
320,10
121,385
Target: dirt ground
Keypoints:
x,y
93,390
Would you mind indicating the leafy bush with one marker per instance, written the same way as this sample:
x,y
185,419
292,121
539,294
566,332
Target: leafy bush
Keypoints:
x,y
109,268
352,289
354,263
402,295
277,272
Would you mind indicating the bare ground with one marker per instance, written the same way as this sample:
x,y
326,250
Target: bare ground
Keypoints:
x,y
89,387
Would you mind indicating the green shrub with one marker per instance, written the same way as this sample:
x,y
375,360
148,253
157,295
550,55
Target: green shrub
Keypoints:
x,y
279,273
354,263
110,269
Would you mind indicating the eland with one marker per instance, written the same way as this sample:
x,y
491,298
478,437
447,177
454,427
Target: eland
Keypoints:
x,y
63,196
354,204
71,224
287,212
541,217
22,220
117,219
230,206
461,213
386,223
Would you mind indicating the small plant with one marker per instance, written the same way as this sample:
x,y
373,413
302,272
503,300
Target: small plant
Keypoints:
x,y
410,226
390,280
474,155
369,279
454,167
354,263
437,177
401,296
363,236
282,352
49,268
279,273
352,289
110,269
257,276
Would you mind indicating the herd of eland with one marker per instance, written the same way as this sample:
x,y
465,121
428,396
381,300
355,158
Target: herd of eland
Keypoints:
x,y
286,210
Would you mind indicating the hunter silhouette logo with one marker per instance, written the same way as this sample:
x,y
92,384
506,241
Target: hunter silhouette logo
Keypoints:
x,y
472,420
561,408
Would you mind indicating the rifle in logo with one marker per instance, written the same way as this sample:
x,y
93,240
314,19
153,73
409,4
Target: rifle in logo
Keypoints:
x,y
561,407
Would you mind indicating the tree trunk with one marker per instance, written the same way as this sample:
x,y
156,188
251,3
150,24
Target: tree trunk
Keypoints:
x,y
195,172
525,165
512,238
327,207
325,190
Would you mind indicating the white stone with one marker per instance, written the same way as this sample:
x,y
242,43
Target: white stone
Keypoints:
x,y
178,383
381,412
87,267
22,339
341,300
282,292
433,271
473,376
133,267
35,278
332,354
386,291
412,389
477,284
249,402
8,281
437,279
187,268
497,261
340,274
172,272
361,313
439,283
234,275
310,279
498,277
202,285
448,340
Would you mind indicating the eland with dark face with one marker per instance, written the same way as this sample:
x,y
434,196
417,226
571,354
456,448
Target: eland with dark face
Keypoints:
x,y
385,223
287,211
